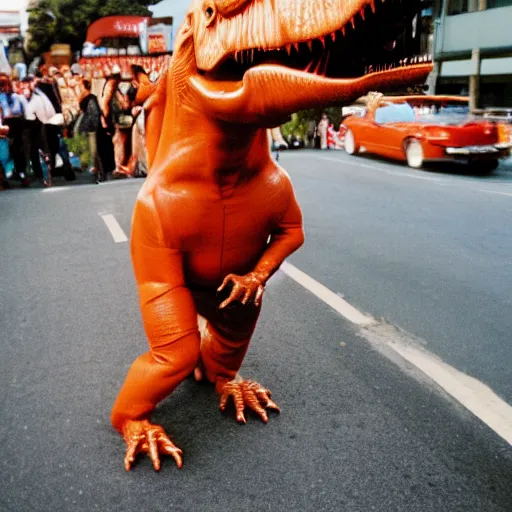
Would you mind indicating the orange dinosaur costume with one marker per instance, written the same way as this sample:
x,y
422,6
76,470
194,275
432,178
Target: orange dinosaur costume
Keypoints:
x,y
216,213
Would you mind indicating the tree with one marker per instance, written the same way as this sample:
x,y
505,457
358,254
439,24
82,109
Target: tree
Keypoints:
x,y
66,21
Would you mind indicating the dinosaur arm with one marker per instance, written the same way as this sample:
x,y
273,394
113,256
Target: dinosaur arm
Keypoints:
x,y
286,238
169,317
152,95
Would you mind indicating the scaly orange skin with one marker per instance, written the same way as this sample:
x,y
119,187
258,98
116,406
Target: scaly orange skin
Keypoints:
x,y
212,199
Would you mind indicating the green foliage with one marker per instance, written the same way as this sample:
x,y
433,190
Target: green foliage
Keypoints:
x,y
66,21
79,145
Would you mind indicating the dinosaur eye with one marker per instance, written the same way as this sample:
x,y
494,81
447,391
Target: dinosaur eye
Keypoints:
x,y
209,12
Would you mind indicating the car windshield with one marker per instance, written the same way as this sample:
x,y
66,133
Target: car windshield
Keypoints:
x,y
395,113
427,113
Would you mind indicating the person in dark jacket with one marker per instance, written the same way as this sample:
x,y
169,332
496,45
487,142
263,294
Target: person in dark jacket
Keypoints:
x,y
53,129
90,125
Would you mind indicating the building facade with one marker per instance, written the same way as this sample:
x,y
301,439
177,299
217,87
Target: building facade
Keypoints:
x,y
473,51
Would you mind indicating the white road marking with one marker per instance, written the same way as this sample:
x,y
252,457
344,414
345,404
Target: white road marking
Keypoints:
x,y
115,229
495,192
477,397
55,189
332,299
471,393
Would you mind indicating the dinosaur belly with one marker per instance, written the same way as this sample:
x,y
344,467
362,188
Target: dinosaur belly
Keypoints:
x,y
228,237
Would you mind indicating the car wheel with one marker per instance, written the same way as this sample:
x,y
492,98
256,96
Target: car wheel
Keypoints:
x,y
350,144
414,154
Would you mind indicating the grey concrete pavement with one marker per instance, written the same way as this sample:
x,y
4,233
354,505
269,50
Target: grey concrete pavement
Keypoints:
x,y
356,432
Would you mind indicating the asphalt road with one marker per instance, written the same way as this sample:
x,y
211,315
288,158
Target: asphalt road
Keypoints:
x,y
358,432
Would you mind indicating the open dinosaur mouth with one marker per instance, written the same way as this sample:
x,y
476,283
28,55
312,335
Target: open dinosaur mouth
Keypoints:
x,y
384,35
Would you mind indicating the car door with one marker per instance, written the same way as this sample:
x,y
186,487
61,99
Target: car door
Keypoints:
x,y
365,133
391,127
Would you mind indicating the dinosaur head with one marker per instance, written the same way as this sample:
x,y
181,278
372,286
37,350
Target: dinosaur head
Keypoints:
x,y
257,61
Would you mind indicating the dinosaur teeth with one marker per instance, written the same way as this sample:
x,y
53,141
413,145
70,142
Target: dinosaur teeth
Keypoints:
x,y
288,49
310,45
296,46
353,21
322,40
333,36
372,5
309,67
361,13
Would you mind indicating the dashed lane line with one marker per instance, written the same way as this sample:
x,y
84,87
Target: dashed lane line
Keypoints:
x,y
475,396
115,229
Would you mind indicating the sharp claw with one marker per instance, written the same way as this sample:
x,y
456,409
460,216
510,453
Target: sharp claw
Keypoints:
x,y
153,449
272,405
170,449
223,401
177,458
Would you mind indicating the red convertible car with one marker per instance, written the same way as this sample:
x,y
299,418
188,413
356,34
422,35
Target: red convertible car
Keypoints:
x,y
421,129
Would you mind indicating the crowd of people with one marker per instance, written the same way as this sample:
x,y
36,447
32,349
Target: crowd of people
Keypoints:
x,y
95,101
39,112
328,137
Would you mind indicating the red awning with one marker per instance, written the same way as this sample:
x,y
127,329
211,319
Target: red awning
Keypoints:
x,y
114,26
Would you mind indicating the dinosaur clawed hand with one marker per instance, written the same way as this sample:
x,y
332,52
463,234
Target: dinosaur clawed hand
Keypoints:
x,y
143,436
245,289
247,393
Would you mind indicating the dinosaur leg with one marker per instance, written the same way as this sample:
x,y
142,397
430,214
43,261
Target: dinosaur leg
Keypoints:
x,y
151,378
224,342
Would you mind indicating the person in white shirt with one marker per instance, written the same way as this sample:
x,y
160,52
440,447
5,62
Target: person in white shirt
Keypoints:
x,y
41,107
38,112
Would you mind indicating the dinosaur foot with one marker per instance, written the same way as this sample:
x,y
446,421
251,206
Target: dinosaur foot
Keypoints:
x,y
247,393
141,436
